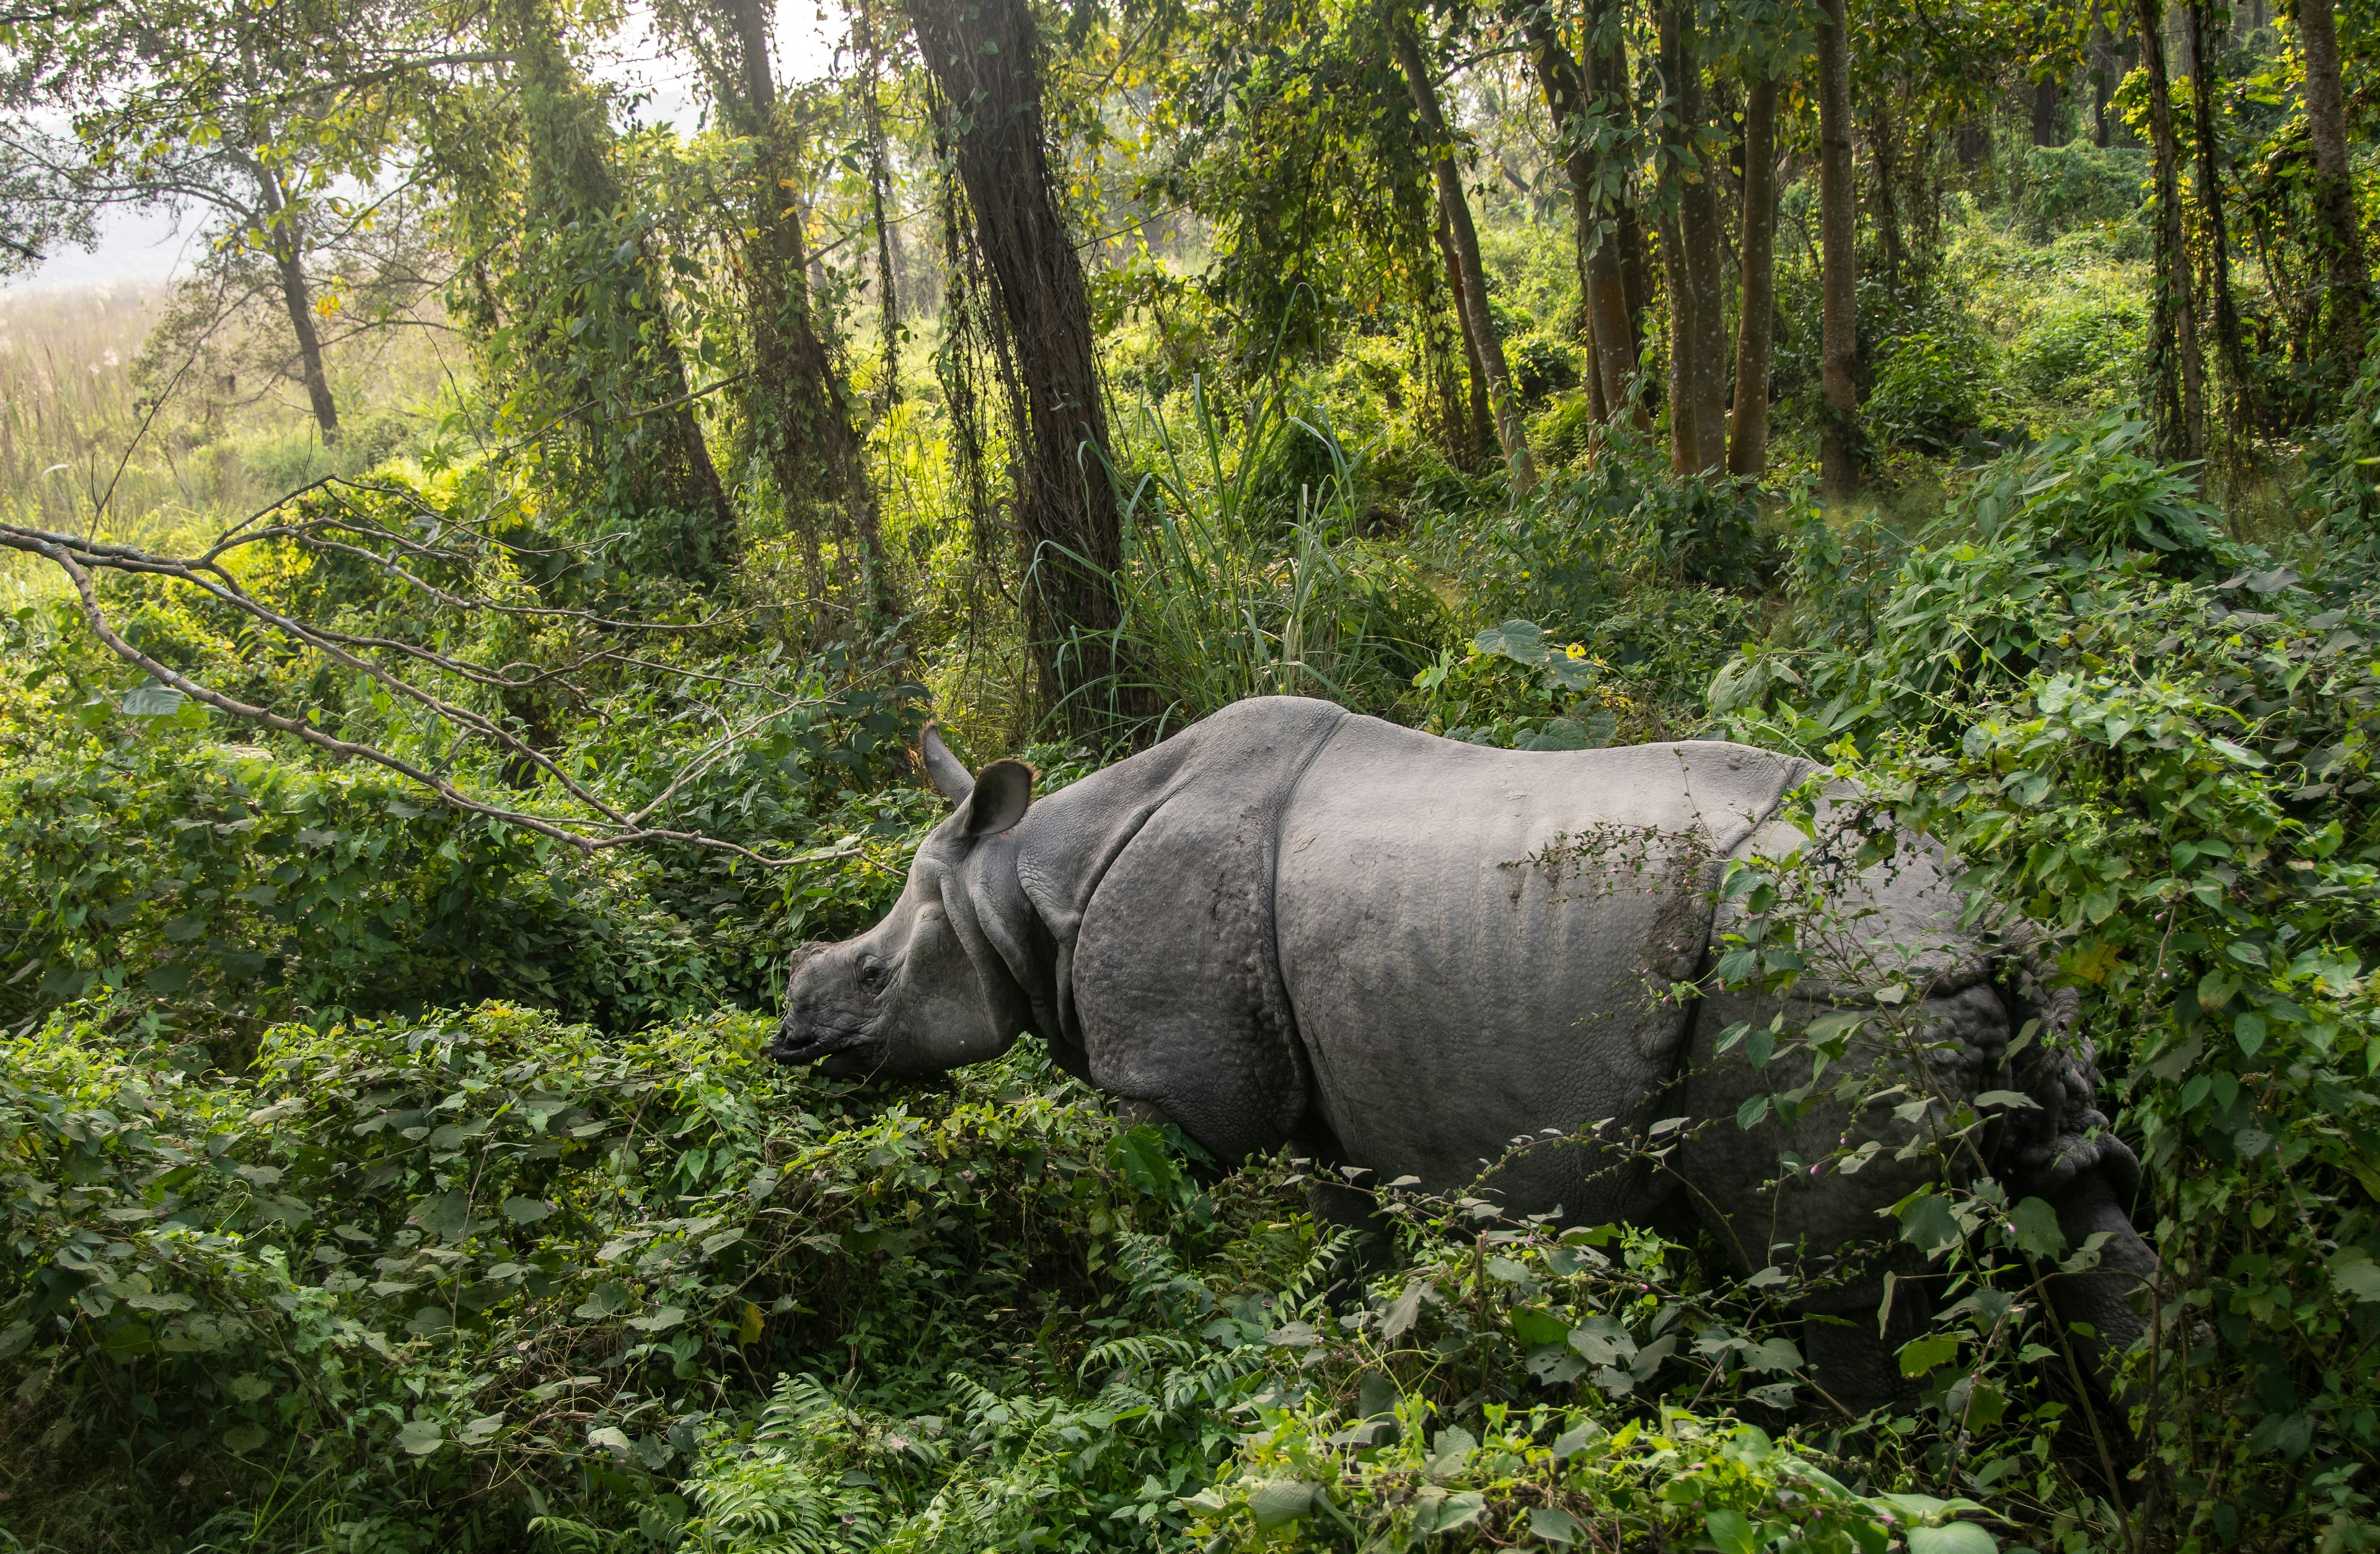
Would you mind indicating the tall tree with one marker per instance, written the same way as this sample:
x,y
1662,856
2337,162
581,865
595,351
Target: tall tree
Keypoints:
x,y
1747,443
591,340
800,413
1583,125
191,108
2179,366
1839,464
985,59
1691,248
1463,234
2334,189
2207,28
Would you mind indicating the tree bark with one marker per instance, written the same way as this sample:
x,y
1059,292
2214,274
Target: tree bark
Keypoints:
x,y
985,59
1839,470
2205,42
1464,237
2180,366
2334,190
1691,244
800,410
285,238
1611,331
1747,443
573,188
1479,442
2045,103
888,391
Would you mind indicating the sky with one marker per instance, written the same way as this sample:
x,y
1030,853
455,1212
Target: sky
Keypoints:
x,y
149,248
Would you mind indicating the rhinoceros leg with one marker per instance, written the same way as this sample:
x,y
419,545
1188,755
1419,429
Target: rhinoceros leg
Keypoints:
x,y
2096,1304
1809,1197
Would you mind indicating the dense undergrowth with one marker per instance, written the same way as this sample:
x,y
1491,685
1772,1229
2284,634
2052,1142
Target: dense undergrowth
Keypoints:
x,y
378,1175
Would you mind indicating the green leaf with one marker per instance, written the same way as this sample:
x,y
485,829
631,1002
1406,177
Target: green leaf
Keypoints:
x,y
1929,1225
526,1211
1749,1114
1730,1531
2036,1228
660,1321
1405,1310
421,1436
1922,1355
152,700
2358,1281
1952,1537
1280,1501
1460,1511
1522,641
607,1299
241,1439
445,1216
1552,1524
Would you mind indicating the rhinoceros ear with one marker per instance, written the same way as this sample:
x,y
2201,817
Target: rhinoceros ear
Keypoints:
x,y
1003,791
942,769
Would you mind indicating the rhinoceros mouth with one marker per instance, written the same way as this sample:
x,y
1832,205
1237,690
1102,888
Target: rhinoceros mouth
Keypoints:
x,y
808,1045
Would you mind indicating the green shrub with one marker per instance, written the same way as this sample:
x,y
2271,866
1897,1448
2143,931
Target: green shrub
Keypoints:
x,y
2061,187
2085,351
2168,769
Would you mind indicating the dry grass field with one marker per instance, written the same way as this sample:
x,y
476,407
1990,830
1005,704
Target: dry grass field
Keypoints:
x,y
162,450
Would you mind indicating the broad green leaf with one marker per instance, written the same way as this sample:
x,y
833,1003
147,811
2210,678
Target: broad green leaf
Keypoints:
x,y
1928,1223
2036,1223
1552,1524
1920,1356
1730,1531
1280,1500
1952,1537
421,1436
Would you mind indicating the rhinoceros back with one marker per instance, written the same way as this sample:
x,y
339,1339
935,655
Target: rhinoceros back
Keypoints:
x,y
1478,943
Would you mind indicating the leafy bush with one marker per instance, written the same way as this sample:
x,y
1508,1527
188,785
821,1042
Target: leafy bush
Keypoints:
x,y
2168,768
2061,188
422,1261
2087,351
1931,389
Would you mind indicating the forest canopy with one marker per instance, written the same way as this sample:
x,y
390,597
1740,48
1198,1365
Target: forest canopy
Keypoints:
x,y
473,623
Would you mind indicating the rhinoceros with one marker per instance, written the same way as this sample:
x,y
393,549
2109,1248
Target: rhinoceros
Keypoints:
x,y
1292,925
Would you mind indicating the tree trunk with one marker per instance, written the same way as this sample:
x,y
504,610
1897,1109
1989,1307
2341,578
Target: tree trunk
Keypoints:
x,y
888,391
1610,333
1747,443
1480,440
799,409
2205,43
1465,238
285,238
1838,469
985,59
2045,103
635,365
1691,244
2180,370
1883,156
2334,190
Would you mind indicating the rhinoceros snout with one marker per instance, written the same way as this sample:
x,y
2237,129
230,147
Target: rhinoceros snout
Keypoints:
x,y
800,1042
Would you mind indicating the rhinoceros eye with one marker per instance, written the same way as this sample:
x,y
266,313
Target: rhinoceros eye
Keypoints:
x,y
873,976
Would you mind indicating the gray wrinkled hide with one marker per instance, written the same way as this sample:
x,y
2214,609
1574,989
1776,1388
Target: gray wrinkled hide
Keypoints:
x,y
1289,922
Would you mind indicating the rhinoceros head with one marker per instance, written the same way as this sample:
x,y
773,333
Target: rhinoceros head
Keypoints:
x,y
908,995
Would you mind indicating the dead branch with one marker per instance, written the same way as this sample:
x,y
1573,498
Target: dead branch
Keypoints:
x,y
79,558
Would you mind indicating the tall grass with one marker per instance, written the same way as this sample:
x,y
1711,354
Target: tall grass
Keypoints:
x,y
87,446
1241,578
